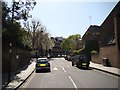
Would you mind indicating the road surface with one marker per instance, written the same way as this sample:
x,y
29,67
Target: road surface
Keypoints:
x,y
64,75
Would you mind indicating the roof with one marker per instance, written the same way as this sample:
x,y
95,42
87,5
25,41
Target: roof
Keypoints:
x,y
91,29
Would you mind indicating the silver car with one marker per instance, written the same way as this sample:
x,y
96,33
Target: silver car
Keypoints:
x,y
42,64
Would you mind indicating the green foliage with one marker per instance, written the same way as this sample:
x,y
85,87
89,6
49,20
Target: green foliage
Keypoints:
x,y
77,52
71,42
16,37
66,44
92,45
11,29
94,52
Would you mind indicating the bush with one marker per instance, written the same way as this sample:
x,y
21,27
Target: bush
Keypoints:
x,y
77,52
94,52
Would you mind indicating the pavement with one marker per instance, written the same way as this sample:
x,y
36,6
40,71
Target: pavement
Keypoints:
x,y
21,77
110,70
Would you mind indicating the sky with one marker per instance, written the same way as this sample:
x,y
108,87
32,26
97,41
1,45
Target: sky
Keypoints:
x,y
68,17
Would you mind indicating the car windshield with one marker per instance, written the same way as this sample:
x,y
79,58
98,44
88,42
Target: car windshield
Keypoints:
x,y
42,60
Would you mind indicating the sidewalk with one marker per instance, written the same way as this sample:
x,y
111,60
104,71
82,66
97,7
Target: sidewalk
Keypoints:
x,y
21,77
111,70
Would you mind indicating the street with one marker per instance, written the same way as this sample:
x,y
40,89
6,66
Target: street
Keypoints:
x,y
64,75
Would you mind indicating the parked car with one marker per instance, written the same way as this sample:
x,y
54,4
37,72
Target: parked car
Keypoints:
x,y
68,57
42,64
81,61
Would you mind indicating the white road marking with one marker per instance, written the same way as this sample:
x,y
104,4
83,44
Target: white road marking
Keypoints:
x,y
55,68
63,69
73,82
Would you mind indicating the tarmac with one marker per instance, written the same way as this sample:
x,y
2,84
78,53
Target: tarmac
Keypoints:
x,y
21,77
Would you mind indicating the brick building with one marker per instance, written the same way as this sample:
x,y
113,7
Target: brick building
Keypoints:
x,y
109,38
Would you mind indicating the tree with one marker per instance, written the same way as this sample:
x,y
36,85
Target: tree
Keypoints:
x,y
38,35
47,42
71,43
18,11
33,29
92,45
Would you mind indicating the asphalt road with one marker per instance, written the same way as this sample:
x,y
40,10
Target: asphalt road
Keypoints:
x,y
64,75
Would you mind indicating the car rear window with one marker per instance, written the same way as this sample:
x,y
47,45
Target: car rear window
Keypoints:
x,y
42,60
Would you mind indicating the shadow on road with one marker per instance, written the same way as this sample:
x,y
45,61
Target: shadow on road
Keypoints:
x,y
90,68
43,71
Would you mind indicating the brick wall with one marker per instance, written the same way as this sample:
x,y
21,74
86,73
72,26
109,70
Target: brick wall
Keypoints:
x,y
111,52
24,58
110,28
95,58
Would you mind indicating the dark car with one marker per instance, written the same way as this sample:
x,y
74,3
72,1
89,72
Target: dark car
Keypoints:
x,y
80,61
68,57
42,64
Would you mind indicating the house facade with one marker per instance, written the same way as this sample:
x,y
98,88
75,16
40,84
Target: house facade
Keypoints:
x,y
109,39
